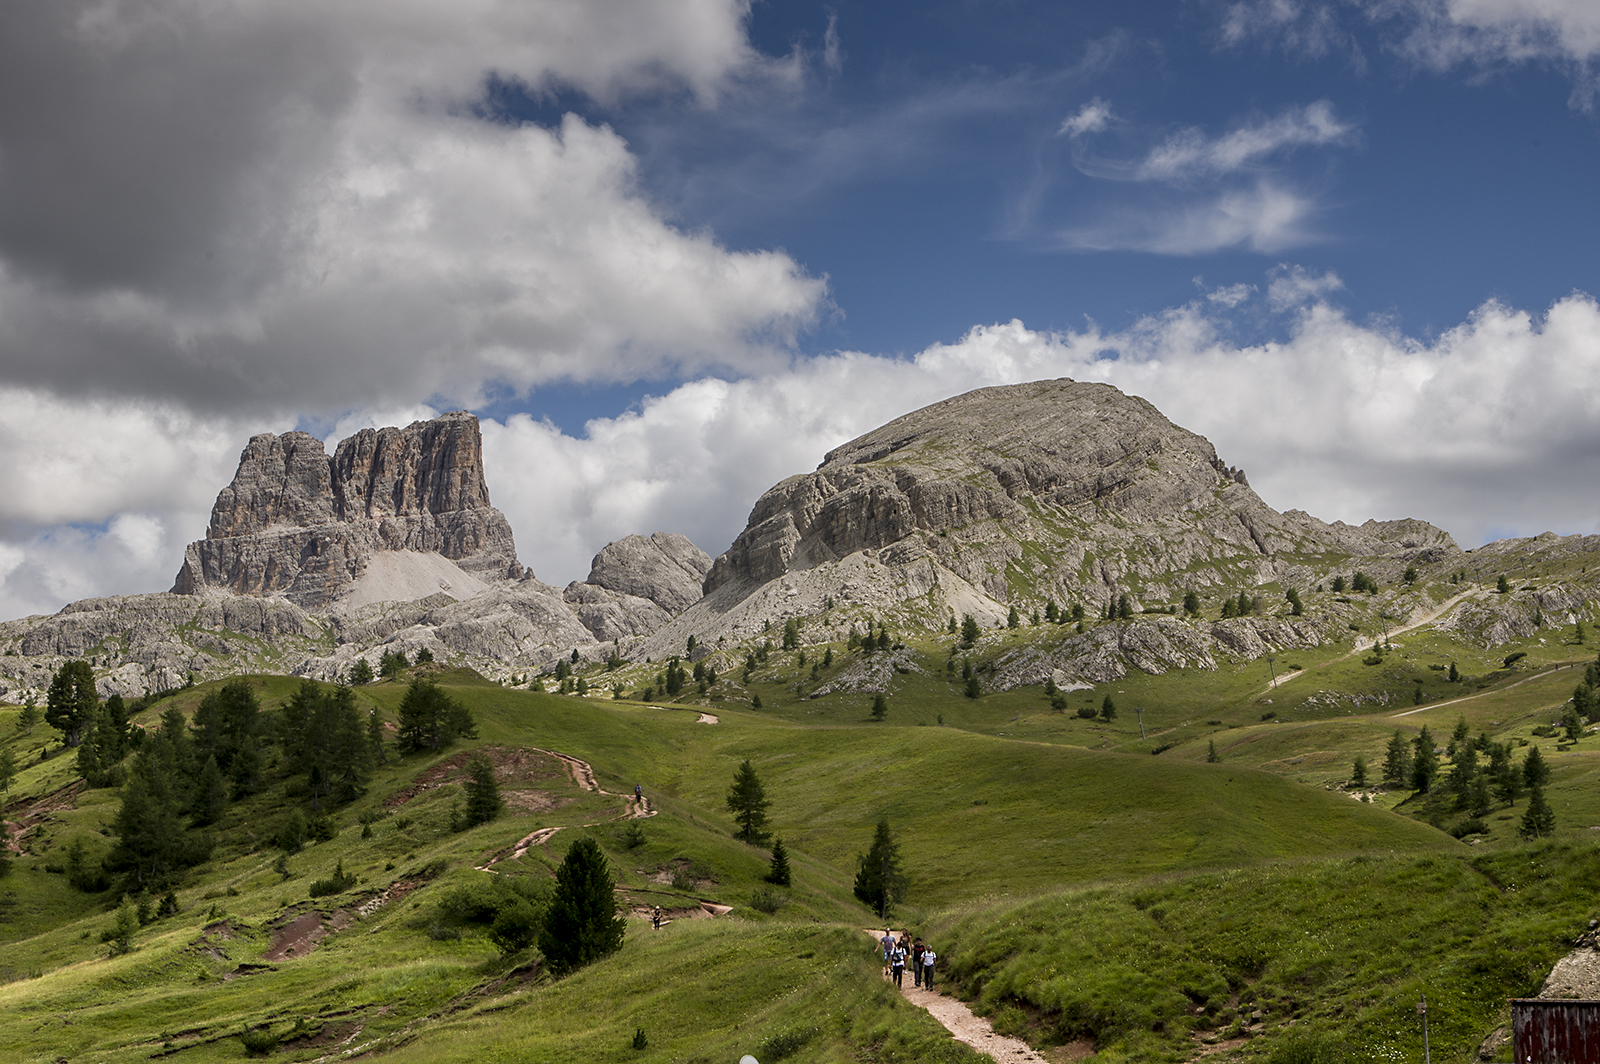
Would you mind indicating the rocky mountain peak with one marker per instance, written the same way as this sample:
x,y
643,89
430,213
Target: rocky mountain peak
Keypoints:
x,y
297,523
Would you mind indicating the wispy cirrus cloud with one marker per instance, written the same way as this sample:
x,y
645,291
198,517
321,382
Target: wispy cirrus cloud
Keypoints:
x,y
1190,154
1263,217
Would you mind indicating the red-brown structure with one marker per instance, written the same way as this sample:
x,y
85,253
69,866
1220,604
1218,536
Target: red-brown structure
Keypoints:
x,y
1554,1031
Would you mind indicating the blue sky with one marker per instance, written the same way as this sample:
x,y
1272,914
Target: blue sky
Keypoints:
x,y
671,252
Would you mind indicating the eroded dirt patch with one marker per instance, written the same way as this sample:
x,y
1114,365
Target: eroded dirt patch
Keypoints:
x,y
297,934
27,816
526,777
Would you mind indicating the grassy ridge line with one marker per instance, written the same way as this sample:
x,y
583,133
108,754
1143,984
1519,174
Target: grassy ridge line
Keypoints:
x,y
978,815
1334,954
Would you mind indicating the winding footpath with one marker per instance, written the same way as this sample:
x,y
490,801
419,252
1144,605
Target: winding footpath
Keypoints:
x,y
966,1028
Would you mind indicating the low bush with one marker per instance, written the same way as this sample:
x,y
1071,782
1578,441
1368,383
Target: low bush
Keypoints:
x,y
766,900
258,1043
337,883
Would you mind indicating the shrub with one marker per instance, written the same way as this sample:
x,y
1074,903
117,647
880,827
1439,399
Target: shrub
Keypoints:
x,y
337,883
1475,826
766,900
1086,712
784,1044
258,1043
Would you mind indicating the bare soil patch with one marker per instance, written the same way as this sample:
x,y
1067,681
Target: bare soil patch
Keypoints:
x,y
27,816
297,935
525,777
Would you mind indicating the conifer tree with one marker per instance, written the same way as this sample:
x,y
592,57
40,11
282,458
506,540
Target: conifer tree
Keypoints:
x,y
29,715
1535,772
1108,710
1013,619
361,673
747,801
791,634
582,924
430,718
1538,820
880,706
1191,603
1211,752
970,630
8,773
779,874
1424,762
1296,607
879,881
1397,762
71,703
483,792
1358,772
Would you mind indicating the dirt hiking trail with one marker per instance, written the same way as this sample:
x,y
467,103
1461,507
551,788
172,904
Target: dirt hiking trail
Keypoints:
x,y
971,1030
633,808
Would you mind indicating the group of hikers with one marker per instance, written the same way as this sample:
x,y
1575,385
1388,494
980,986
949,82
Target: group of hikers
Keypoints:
x,y
898,952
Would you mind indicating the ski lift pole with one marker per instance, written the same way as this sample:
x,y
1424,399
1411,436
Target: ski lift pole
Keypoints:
x,y
1140,710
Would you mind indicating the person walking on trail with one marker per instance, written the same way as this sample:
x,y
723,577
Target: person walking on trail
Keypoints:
x,y
638,792
887,942
928,957
917,949
897,964
655,918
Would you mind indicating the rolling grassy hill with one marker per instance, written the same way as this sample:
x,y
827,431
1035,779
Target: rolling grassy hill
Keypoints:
x,y
1084,888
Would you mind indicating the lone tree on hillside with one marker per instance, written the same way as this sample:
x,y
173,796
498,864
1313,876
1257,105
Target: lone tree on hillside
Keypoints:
x,y
72,704
1191,603
778,874
1538,819
1397,761
483,793
1535,773
1424,763
429,718
747,801
879,881
880,706
1108,710
970,630
582,924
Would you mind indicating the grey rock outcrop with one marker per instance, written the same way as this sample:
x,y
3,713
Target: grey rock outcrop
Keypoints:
x,y
1053,489
295,522
664,567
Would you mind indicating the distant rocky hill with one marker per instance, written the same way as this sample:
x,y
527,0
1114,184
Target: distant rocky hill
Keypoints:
x,y
299,524
311,561
1008,498
1018,496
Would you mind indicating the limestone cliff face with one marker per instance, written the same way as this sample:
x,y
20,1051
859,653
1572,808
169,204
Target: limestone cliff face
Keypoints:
x,y
296,523
1048,490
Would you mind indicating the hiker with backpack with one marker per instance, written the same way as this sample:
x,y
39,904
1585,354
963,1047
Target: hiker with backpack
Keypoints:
x,y
928,957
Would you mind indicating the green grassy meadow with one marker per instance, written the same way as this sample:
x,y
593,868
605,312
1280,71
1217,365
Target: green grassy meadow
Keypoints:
x,y
1094,888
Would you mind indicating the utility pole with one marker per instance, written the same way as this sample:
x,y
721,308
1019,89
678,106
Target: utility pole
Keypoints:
x,y
1140,710
1272,669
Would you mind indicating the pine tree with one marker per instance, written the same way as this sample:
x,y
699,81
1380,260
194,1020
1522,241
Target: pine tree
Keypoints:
x,y
1050,613
582,924
429,718
880,706
361,673
1229,608
970,630
1358,772
879,880
8,773
791,634
974,688
1211,751
1191,603
1296,607
1538,820
778,874
1108,710
1397,761
1535,773
71,702
1573,723
1502,585
483,793
1124,607
747,801
1424,762
1454,674
375,745
29,715
1243,608
1013,619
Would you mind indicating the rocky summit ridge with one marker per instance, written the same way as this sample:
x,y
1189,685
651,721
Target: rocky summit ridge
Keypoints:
x,y
1003,499
306,526
1017,496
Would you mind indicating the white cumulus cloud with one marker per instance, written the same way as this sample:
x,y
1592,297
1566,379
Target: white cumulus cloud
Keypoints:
x,y
1092,117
